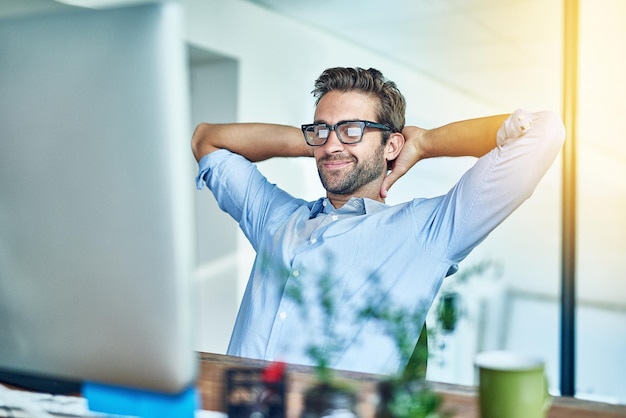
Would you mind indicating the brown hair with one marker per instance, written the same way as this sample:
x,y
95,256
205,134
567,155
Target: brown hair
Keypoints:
x,y
392,105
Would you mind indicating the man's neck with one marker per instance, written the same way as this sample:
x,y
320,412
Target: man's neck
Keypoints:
x,y
339,200
368,191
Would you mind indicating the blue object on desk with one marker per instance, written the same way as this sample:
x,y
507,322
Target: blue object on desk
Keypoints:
x,y
140,403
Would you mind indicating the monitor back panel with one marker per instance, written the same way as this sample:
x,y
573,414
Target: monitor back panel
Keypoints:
x,y
96,248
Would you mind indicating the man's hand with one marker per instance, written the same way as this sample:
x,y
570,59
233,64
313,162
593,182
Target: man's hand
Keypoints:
x,y
472,137
410,154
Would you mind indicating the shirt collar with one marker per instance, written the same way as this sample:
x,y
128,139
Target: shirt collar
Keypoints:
x,y
356,205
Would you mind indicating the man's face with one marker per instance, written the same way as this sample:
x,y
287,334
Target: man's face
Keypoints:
x,y
347,169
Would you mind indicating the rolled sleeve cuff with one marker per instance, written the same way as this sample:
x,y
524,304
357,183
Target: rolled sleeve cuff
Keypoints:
x,y
203,169
516,125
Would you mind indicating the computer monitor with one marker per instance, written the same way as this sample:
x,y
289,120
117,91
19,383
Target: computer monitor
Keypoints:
x,y
96,189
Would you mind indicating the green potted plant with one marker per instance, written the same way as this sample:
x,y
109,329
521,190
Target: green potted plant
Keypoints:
x,y
405,395
329,394
408,394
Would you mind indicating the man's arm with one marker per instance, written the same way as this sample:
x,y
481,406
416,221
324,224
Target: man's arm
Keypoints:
x,y
472,137
254,141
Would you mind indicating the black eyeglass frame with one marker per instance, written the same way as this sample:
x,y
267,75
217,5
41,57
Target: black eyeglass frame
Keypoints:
x,y
364,124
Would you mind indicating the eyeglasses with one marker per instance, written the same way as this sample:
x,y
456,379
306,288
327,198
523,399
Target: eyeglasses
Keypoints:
x,y
348,132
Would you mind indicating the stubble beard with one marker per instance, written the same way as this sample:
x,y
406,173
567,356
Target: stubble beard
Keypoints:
x,y
362,173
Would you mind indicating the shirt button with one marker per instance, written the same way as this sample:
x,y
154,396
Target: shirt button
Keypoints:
x,y
282,316
313,240
295,273
334,217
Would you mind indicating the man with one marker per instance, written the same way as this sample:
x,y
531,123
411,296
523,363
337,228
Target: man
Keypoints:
x,y
350,241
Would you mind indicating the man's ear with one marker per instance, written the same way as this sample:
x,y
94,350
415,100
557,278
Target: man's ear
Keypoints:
x,y
394,146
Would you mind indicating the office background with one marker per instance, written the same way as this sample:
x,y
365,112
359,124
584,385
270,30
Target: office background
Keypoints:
x,y
453,59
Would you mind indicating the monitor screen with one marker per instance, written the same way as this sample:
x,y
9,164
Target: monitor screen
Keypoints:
x,y
96,189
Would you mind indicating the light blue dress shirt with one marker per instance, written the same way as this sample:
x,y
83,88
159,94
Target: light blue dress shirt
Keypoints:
x,y
367,250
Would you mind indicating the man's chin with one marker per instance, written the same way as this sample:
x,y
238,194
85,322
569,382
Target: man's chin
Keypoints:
x,y
335,188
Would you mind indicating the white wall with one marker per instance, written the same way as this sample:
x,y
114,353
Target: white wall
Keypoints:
x,y
214,85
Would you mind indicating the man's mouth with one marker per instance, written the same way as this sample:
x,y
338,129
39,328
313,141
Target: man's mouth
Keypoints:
x,y
336,165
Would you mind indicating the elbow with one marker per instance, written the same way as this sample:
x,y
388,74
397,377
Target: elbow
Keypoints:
x,y
555,129
200,144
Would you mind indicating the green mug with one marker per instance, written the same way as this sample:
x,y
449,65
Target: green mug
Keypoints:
x,y
511,385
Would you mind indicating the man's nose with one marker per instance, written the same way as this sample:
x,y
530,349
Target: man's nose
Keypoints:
x,y
333,144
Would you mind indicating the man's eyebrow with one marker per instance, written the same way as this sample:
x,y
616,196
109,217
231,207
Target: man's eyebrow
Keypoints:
x,y
341,121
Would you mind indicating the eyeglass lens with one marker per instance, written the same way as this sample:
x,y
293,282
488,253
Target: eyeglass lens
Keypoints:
x,y
347,132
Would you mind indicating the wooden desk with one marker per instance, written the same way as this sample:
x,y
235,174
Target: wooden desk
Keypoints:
x,y
461,400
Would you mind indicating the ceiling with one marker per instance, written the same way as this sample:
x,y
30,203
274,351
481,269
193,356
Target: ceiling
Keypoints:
x,y
475,46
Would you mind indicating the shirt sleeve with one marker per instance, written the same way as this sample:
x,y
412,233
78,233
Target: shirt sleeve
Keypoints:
x,y
244,193
497,184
